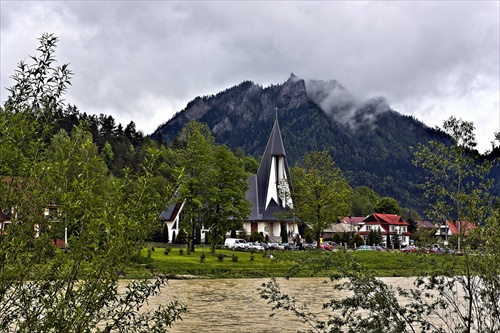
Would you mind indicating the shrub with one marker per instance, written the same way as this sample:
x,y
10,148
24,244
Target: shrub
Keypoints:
x,y
181,251
256,237
167,251
220,257
202,257
357,240
252,257
234,258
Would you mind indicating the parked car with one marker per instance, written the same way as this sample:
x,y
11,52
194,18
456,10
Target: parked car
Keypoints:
x,y
255,246
365,248
436,249
281,246
273,246
409,249
235,243
326,246
447,251
307,246
264,245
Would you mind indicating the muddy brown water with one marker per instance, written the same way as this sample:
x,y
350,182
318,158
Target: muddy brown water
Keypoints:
x,y
235,305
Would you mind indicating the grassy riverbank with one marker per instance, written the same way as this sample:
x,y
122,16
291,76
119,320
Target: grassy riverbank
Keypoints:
x,y
175,264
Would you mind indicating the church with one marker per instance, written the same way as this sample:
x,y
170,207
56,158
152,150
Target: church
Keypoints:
x,y
268,193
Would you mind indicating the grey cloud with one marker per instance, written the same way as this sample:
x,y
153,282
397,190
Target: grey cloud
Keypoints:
x,y
421,56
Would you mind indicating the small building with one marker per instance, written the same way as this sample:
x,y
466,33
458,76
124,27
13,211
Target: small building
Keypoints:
x,y
354,222
337,228
389,225
423,224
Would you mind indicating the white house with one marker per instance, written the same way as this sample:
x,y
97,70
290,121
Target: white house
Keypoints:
x,y
389,225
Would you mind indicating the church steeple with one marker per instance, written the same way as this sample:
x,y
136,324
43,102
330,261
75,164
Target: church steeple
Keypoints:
x,y
273,174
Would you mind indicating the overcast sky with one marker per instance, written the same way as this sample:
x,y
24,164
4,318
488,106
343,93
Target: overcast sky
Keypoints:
x,y
145,60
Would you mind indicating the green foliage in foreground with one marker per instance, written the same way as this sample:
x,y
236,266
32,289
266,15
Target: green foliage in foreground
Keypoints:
x,y
105,219
284,264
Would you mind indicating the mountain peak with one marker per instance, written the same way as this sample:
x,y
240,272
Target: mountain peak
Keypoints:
x,y
293,92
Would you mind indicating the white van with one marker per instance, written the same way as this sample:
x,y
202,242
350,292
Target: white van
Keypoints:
x,y
235,243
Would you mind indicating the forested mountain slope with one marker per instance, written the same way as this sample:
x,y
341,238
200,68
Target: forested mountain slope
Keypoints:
x,y
368,140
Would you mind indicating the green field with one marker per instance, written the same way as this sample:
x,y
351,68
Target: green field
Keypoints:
x,y
304,263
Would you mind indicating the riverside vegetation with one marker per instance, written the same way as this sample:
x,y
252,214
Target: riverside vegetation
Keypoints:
x,y
283,263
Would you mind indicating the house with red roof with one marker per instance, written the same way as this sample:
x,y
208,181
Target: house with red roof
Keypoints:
x,y
454,228
389,225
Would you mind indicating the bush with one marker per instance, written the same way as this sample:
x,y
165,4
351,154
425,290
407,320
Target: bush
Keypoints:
x,y
220,257
357,240
234,258
167,251
202,257
181,237
181,251
252,257
256,237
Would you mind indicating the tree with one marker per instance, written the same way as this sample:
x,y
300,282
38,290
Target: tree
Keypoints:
x,y
251,164
43,289
226,204
284,234
456,183
363,201
213,185
374,237
196,161
387,205
357,240
321,195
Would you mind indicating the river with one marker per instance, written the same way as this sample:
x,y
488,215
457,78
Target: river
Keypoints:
x,y
235,305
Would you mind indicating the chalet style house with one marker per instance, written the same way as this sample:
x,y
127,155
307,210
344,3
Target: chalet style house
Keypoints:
x,y
389,225
268,193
